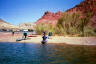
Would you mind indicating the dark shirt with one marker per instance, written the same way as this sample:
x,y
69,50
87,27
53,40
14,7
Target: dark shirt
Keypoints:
x,y
44,38
25,33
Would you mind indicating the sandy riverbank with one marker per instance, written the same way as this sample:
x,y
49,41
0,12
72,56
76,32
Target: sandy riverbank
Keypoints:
x,y
8,37
66,40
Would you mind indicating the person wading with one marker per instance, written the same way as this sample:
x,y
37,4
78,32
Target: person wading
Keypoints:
x,y
25,35
44,38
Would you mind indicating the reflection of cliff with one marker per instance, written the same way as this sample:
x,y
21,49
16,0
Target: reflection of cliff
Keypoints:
x,y
49,18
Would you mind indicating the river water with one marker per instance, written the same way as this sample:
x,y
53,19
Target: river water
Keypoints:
x,y
29,53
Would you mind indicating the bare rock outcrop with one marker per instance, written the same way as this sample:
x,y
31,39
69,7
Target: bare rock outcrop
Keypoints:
x,y
49,18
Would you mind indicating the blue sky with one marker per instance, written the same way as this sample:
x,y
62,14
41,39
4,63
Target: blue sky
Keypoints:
x,y
19,11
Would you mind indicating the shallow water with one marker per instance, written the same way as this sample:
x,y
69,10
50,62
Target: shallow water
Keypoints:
x,y
28,53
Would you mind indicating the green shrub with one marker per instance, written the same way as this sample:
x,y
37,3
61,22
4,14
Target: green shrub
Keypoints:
x,y
73,24
69,24
42,27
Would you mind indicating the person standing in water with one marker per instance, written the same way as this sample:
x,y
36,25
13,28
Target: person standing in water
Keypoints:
x,y
44,38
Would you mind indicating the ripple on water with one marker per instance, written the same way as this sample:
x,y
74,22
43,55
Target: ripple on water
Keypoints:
x,y
28,53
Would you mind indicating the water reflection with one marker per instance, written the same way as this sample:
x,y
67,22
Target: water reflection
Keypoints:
x,y
28,53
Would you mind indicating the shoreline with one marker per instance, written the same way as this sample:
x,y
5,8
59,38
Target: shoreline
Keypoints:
x,y
8,37
65,40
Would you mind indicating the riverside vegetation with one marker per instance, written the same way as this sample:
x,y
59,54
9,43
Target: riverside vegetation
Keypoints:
x,y
70,24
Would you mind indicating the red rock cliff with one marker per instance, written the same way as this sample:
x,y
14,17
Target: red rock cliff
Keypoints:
x,y
84,7
49,18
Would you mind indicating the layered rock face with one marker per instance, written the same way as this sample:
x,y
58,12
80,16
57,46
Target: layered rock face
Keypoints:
x,y
27,26
49,18
84,7
5,25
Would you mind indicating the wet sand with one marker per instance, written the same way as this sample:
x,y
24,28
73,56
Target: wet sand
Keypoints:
x,y
8,37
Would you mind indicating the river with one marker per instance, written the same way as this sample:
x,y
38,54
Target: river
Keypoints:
x,y
29,53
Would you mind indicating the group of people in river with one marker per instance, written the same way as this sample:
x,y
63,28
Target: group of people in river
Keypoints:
x,y
44,37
